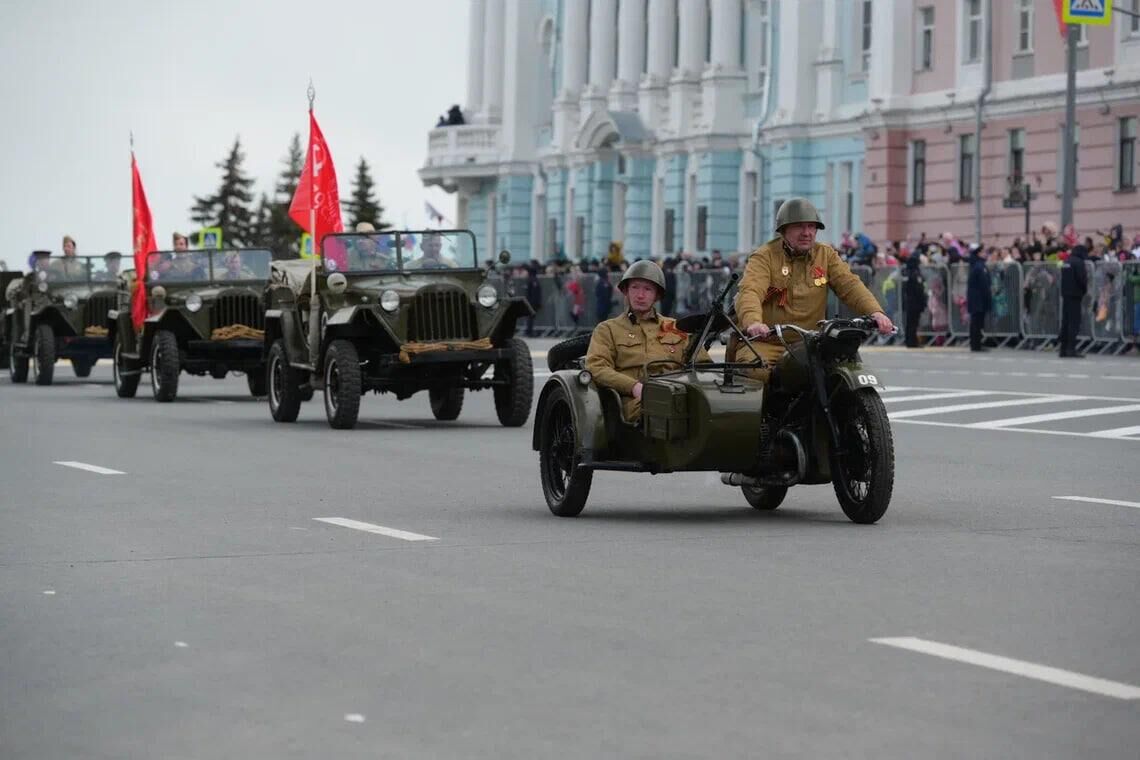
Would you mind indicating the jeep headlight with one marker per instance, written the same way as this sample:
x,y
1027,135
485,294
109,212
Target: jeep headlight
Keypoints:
x,y
41,276
487,296
193,302
41,286
71,300
389,300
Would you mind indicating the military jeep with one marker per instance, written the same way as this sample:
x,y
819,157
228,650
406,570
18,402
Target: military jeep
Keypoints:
x,y
395,312
205,315
13,280
58,311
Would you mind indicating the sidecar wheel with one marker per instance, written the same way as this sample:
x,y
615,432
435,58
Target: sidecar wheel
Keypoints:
x,y
765,498
865,476
565,485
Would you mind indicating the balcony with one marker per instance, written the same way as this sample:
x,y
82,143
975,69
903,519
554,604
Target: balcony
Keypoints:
x,y
458,152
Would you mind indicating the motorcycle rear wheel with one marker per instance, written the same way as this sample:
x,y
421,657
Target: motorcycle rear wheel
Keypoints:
x,y
864,476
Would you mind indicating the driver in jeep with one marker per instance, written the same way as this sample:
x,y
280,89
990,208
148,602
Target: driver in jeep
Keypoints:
x,y
786,282
620,347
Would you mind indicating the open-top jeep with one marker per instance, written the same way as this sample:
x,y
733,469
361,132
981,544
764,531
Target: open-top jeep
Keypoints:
x,y
13,280
397,312
205,315
59,311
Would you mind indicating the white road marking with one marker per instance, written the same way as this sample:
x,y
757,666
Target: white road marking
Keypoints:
x,y
981,405
1056,416
354,718
1078,377
181,644
1035,431
344,522
1091,500
936,396
1022,668
1119,377
49,592
91,468
1124,433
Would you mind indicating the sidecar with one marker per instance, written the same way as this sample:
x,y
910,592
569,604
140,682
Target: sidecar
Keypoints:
x,y
706,417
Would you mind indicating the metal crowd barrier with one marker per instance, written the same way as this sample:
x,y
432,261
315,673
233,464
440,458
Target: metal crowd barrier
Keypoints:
x,y
1026,302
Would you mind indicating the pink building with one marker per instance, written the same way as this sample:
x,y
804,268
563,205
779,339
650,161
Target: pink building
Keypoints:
x,y
920,141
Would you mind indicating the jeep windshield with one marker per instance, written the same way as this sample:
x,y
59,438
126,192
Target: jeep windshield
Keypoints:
x,y
74,270
401,251
231,265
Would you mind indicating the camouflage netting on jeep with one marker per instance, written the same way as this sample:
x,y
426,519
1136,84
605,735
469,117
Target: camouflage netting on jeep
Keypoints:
x,y
408,350
292,273
237,332
95,331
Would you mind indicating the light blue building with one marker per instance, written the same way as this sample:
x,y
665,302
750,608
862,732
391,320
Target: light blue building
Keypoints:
x,y
667,125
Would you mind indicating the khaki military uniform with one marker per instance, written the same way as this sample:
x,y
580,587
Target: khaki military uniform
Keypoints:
x,y
780,287
244,274
71,268
620,348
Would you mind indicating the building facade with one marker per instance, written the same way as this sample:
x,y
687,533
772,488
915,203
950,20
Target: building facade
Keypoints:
x,y
680,125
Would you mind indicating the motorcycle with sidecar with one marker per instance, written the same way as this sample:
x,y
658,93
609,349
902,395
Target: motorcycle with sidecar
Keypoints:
x,y
817,418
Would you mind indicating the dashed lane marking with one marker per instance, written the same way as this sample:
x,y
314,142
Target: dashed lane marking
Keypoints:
x,y
91,468
403,535
1021,668
1035,431
1121,433
936,396
1092,500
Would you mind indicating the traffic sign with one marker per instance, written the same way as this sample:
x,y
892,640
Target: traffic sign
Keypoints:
x,y
1095,12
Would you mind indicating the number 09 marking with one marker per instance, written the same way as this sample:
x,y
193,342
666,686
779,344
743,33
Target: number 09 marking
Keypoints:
x,y
867,380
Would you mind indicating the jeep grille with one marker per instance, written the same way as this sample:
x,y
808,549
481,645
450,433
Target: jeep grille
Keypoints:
x,y
96,308
441,315
237,309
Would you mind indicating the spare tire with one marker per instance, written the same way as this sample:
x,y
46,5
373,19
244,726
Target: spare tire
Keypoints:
x,y
563,354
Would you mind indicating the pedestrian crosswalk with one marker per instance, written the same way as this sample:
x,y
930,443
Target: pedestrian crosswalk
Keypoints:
x,y
1039,413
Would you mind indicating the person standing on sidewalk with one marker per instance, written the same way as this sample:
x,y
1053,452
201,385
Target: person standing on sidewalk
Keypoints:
x,y
1074,285
979,296
913,299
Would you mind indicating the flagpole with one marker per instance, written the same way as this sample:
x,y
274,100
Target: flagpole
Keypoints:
x,y
314,307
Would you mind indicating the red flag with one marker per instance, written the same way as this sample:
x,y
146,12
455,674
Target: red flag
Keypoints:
x,y
1061,25
317,191
144,243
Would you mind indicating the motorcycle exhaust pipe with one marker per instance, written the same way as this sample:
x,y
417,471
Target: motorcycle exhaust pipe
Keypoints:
x,y
740,479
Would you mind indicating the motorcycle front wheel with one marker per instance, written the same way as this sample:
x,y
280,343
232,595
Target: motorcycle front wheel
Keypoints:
x,y
864,474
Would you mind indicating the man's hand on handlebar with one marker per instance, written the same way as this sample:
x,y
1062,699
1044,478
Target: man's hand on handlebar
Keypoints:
x,y
883,322
757,330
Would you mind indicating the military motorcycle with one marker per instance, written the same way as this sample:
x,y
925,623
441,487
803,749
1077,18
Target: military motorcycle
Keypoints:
x,y
817,418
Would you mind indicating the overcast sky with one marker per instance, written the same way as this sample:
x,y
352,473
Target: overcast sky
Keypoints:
x,y
187,77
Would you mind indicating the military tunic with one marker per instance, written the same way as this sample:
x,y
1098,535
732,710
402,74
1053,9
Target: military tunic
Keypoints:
x,y
620,348
781,287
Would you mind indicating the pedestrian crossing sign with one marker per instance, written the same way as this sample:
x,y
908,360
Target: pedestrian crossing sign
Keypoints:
x,y
1096,12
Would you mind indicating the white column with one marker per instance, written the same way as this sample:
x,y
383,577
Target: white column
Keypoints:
x,y
493,20
520,80
574,42
631,53
799,37
475,56
694,31
892,51
726,34
661,28
603,36
828,63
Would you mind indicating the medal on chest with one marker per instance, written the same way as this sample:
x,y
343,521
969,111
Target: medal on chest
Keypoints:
x,y
819,277
786,270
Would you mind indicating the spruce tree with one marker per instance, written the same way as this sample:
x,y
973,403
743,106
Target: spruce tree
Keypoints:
x,y
229,208
362,205
283,234
261,228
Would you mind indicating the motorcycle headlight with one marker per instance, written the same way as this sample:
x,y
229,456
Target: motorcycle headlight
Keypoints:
x,y
41,286
193,302
487,296
389,300
71,300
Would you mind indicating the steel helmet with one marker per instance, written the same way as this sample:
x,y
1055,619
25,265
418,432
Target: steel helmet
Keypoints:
x,y
643,269
797,211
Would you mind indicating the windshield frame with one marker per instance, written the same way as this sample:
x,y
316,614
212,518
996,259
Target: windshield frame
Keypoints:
x,y
88,270
212,254
398,246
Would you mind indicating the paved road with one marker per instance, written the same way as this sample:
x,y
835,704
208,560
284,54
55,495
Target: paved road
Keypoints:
x,y
195,607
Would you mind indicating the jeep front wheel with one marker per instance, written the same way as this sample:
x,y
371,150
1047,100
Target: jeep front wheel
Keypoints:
x,y
125,385
43,355
513,398
164,366
283,385
446,403
17,364
342,385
